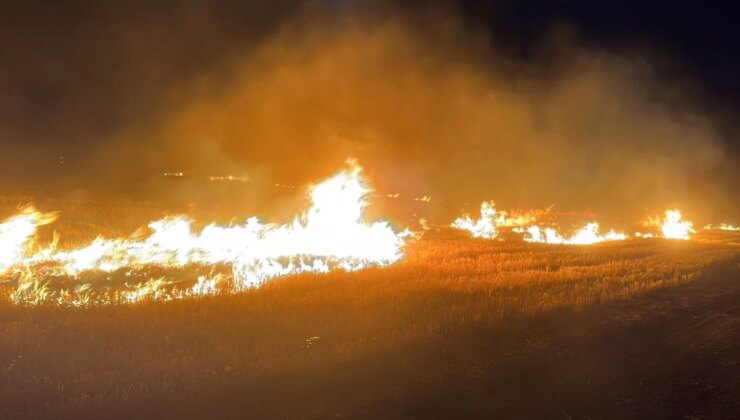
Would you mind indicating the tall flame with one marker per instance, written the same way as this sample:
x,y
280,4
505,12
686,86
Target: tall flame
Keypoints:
x,y
330,235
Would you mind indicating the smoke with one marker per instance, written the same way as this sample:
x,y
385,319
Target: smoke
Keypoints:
x,y
430,106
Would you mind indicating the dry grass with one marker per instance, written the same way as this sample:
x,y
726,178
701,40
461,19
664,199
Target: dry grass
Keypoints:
x,y
343,344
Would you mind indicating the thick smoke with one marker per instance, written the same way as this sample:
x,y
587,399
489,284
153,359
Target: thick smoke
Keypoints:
x,y
430,107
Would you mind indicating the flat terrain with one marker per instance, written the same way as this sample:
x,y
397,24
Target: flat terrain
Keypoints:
x,y
460,328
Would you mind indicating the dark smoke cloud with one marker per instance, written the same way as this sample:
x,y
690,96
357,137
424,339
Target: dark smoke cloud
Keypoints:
x,y
425,101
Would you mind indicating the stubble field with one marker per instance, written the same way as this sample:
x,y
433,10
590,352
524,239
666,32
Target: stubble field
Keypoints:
x,y
459,328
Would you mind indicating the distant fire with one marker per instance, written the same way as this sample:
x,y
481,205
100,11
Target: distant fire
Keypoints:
x,y
672,226
723,226
229,178
331,235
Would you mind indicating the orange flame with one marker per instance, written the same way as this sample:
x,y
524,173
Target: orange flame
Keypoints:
x,y
672,225
723,226
589,234
487,226
16,233
330,235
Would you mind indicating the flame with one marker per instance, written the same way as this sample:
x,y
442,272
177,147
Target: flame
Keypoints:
x,y
589,234
16,233
487,226
723,226
490,220
229,178
330,235
484,227
644,235
672,226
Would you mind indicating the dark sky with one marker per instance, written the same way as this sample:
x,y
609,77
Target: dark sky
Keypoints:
x,y
700,36
115,81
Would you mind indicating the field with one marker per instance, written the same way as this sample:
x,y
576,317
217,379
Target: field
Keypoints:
x,y
459,328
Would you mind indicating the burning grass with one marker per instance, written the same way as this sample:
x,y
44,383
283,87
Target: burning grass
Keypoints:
x,y
263,345
332,234
331,341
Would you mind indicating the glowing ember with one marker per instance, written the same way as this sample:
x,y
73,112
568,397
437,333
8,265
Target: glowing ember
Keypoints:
x,y
330,235
229,178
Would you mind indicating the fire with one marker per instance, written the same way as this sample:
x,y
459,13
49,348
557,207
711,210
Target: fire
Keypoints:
x,y
723,226
586,236
16,234
672,225
644,235
229,178
487,226
330,235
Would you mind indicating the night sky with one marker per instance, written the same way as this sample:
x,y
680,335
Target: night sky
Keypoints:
x,y
698,39
464,100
